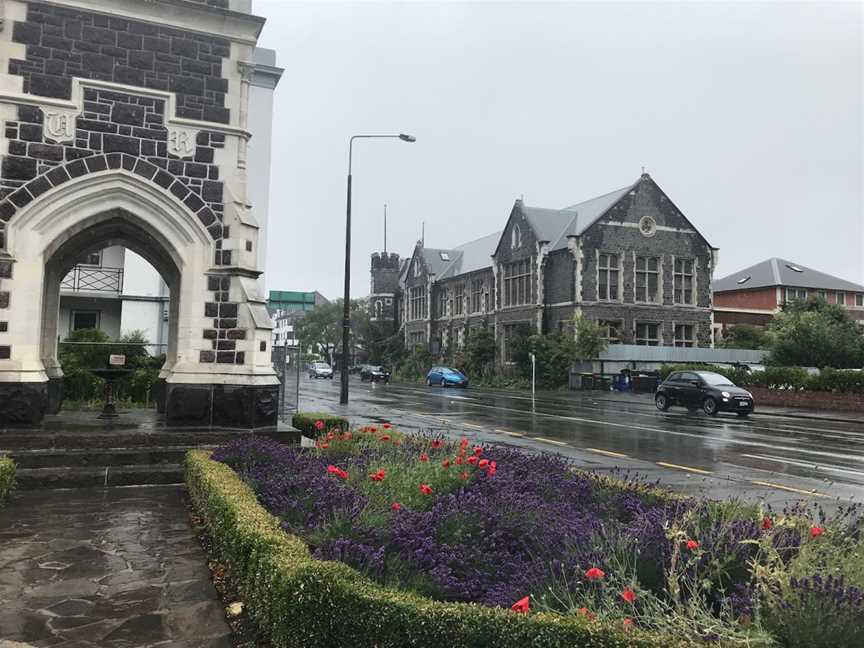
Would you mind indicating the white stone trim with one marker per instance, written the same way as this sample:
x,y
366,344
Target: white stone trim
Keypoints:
x,y
658,228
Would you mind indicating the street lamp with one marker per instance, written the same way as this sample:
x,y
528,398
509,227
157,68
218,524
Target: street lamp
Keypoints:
x,y
346,315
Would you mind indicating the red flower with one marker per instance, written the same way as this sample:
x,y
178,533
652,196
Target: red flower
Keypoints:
x,y
386,437
459,460
463,476
330,436
425,489
386,426
587,613
436,443
491,471
767,523
628,623
372,428
424,456
463,443
395,506
319,425
335,470
348,436
325,445
397,442
472,460
483,463
595,573
628,595
816,531
522,605
692,544
377,476
478,450
445,463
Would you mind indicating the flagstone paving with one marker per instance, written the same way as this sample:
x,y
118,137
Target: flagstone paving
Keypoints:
x,y
117,567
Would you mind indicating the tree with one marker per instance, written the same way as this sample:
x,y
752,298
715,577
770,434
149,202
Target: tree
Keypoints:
x,y
554,354
745,336
478,356
321,328
814,333
590,342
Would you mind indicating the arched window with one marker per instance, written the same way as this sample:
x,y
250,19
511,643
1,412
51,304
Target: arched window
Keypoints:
x,y
516,237
379,308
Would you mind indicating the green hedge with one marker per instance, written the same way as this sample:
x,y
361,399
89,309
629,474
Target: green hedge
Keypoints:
x,y
302,602
793,378
305,422
7,477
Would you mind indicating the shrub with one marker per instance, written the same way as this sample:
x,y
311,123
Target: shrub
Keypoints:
x,y
7,477
305,422
303,602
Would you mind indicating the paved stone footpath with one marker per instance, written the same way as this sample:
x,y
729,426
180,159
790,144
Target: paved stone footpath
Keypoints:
x,y
117,567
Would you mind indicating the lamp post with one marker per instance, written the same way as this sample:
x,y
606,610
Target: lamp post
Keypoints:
x,y
346,315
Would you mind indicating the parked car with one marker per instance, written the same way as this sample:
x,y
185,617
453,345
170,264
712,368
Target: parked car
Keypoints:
x,y
374,373
712,392
321,370
446,377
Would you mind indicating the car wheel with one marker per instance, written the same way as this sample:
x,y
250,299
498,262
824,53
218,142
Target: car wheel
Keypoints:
x,y
709,406
661,402
428,382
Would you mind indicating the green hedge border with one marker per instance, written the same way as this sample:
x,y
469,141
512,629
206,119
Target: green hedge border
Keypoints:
x,y
305,422
302,602
7,477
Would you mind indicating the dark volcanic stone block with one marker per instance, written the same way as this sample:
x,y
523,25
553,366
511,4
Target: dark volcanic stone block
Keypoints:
x,y
57,175
5,269
188,404
225,357
31,132
209,334
237,334
22,403
206,356
45,151
18,168
227,310
30,114
211,309
121,144
124,113
4,299
51,86
27,32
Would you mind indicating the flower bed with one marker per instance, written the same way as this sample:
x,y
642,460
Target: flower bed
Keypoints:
x,y
314,424
7,477
416,541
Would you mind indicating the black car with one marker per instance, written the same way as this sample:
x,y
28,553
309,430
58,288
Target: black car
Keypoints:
x,y
707,390
374,373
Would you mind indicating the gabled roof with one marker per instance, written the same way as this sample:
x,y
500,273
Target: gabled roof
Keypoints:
x,y
554,225
471,256
780,272
436,259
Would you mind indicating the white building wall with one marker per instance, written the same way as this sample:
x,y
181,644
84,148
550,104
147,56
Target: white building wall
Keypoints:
x,y
108,308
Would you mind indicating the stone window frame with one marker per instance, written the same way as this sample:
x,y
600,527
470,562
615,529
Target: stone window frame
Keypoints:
x,y
619,275
516,237
459,298
516,280
476,302
658,299
416,303
441,302
507,331
606,328
681,275
76,311
647,339
684,341
416,339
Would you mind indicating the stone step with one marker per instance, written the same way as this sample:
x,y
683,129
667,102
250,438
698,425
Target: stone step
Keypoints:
x,y
97,477
100,457
13,440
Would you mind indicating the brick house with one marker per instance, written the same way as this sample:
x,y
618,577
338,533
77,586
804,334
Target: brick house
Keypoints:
x,y
755,294
628,259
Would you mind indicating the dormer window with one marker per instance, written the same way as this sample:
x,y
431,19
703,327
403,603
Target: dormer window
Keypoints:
x,y
445,256
516,237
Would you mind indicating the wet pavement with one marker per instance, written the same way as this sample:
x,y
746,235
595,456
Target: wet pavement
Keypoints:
x,y
774,459
117,567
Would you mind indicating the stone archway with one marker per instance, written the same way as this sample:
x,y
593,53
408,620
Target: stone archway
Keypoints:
x,y
218,370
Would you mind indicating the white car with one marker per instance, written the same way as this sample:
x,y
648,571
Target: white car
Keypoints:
x,y
321,370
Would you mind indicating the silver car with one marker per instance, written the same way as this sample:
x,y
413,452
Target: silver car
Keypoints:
x,y
321,370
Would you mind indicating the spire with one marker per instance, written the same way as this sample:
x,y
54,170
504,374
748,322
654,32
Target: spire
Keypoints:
x,y
385,229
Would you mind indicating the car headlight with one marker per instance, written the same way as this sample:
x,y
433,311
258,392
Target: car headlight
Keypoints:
x,y
725,394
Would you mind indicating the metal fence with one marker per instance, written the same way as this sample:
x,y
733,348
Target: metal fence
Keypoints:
x,y
286,362
93,280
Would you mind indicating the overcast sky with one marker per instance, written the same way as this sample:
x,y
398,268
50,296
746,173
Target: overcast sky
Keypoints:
x,y
749,116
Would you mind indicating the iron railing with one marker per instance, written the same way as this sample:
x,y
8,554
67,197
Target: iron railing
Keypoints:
x,y
82,278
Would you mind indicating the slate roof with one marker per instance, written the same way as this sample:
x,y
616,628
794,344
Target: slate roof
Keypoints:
x,y
435,263
472,256
554,225
780,272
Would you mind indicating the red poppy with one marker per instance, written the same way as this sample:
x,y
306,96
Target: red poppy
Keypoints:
x,y
522,605
767,523
478,450
372,428
330,436
348,436
483,463
816,531
436,443
335,470
385,437
692,544
386,426
424,456
628,595
472,460
425,489
325,445
491,471
459,460
395,506
377,476
463,443
319,425
463,476
587,613
628,623
397,442
595,573
445,463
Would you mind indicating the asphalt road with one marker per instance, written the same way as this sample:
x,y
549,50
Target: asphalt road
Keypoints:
x,y
772,459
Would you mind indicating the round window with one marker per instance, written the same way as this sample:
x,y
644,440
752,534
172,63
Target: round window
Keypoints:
x,y
648,226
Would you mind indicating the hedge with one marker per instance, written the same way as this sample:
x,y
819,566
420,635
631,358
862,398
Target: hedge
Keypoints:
x,y
786,378
303,602
7,477
305,422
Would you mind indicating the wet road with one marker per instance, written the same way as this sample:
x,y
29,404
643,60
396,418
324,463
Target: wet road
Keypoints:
x,y
773,459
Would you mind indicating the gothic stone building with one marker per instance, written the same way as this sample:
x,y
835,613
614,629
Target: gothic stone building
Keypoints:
x,y
628,259
128,122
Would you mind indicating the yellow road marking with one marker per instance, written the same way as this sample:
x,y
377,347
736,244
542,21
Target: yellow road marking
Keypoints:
x,y
515,434
606,452
800,491
687,468
561,443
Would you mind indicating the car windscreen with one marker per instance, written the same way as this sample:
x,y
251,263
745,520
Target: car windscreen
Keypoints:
x,y
450,371
714,378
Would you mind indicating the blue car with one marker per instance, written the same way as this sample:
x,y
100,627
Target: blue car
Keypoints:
x,y
446,377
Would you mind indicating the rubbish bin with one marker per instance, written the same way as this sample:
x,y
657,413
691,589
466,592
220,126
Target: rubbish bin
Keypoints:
x,y
645,383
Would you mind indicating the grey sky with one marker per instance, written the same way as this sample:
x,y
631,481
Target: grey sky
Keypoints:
x,y
748,115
